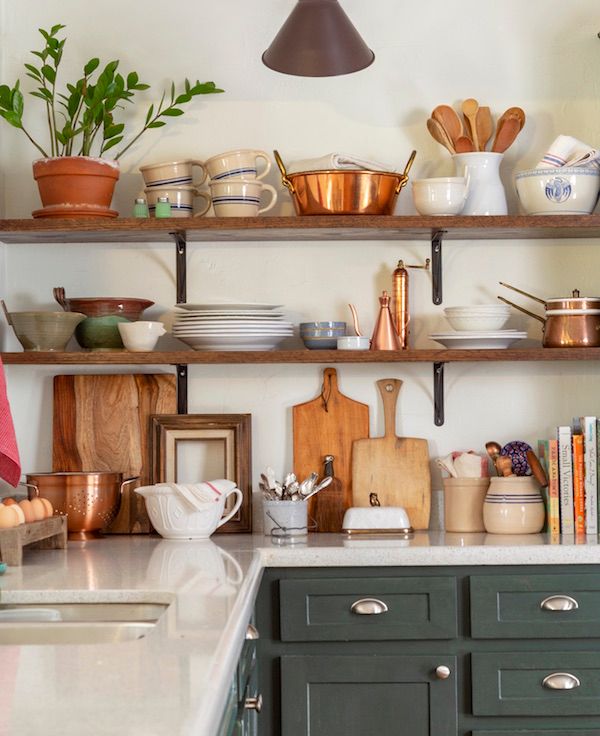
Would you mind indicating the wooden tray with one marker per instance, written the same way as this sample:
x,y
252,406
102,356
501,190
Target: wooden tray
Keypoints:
x,y
47,534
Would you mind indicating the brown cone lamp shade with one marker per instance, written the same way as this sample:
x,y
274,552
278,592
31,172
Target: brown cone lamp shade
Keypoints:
x,y
318,40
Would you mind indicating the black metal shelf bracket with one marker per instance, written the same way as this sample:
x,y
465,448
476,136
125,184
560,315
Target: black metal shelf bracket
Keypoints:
x,y
181,281
436,265
438,394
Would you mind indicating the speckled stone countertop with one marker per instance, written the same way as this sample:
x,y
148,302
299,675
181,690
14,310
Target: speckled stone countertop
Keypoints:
x,y
174,681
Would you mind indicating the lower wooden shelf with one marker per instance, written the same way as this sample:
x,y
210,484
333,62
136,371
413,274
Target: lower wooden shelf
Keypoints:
x,y
199,357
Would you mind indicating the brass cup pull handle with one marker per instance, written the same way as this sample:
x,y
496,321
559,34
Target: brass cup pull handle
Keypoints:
x,y
559,603
442,672
254,703
252,633
368,607
561,681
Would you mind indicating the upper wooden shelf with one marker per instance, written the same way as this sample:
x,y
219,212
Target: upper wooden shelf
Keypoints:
x,y
340,227
195,357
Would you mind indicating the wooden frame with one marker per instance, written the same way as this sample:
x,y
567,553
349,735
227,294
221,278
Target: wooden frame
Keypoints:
x,y
232,431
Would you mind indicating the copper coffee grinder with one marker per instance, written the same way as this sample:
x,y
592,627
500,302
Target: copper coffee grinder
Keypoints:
x,y
401,311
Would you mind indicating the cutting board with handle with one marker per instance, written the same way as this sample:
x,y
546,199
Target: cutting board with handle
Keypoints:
x,y
395,468
328,425
102,422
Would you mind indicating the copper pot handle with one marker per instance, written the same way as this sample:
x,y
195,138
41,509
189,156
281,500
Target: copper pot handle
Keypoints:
x,y
520,291
522,309
6,312
284,177
30,485
60,297
128,480
403,181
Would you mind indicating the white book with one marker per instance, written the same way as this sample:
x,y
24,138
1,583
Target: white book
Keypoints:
x,y
591,474
565,469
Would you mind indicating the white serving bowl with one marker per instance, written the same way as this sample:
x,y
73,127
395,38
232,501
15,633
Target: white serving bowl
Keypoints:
x,y
479,322
444,195
479,309
568,190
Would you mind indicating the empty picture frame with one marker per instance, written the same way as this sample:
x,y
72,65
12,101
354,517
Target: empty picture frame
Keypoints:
x,y
190,448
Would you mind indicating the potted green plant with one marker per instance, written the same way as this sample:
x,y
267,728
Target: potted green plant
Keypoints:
x,y
75,176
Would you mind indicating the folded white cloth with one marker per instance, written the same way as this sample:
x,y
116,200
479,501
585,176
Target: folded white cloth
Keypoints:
x,y
336,161
568,151
197,494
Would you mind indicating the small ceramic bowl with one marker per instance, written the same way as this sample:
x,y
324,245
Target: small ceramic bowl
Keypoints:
x,y
353,342
312,326
445,195
49,331
139,337
320,343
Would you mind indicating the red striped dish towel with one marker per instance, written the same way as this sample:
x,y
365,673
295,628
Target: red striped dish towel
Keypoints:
x,y
10,464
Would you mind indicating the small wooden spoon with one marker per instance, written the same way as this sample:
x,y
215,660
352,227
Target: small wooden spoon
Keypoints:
x,y
485,127
515,112
464,145
469,109
439,134
506,133
448,118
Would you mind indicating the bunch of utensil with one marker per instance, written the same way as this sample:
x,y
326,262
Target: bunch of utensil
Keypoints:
x,y
475,129
291,489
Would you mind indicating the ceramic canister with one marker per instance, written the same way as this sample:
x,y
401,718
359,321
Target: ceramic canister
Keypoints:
x,y
514,505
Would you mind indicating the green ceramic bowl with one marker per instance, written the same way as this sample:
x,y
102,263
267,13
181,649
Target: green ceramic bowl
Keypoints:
x,y
45,330
100,333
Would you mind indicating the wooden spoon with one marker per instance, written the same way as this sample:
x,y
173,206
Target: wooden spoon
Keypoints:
x,y
464,145
485,126
448,118
506,133
515,112
439,134
469,109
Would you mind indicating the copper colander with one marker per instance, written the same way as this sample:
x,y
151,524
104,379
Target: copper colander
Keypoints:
x,y
344,192
90,500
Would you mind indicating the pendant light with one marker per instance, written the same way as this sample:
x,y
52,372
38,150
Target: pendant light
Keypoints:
x,y
318,40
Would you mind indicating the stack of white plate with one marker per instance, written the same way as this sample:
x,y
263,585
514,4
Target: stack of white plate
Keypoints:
x,y
478,327
229,326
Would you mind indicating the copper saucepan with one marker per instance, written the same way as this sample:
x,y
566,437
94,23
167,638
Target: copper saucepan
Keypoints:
x,y
90,500
344,192
567,328
575,301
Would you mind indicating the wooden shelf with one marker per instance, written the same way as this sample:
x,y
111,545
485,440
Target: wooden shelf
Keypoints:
x,y
198,357
330,227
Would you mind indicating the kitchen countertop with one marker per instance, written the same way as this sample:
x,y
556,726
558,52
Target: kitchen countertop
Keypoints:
x,y
175,680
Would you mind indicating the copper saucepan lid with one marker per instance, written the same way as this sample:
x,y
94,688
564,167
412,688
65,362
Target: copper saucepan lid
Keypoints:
x,y
575,301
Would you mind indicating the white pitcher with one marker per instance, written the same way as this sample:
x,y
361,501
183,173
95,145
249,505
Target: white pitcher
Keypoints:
x,y
486,192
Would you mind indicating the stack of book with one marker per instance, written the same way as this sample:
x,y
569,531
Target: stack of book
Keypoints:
x,y
571,463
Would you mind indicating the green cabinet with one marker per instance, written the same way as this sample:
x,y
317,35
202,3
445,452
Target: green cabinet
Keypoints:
x,y
430,651
243,701
356,695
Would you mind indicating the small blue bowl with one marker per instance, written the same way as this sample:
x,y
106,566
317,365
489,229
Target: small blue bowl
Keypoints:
x,y
320,343
322,326
323,333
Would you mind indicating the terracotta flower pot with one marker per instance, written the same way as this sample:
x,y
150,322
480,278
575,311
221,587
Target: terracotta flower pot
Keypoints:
x,y
75,186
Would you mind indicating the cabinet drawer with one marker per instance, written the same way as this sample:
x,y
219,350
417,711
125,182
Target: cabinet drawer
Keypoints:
x,y
322,610
554,732
528,606
510,683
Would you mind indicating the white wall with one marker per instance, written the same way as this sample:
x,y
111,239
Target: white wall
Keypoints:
x,y
542,55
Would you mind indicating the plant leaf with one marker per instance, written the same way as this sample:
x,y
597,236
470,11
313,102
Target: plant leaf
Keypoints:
x,y
132,80
148,115
11,118
34,71
156,124
112,143
91,66
172,112
49,73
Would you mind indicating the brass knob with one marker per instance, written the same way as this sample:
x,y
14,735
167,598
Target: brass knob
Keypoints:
x,y
442,672
254,703
252,632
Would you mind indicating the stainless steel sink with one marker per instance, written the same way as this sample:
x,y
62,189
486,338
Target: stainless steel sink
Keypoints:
x,y
77,623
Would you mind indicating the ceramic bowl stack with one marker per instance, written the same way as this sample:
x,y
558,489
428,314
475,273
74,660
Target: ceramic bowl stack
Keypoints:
x,y
478,327
228,326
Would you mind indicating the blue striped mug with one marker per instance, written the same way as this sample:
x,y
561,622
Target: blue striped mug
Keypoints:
x,y
240,197
173,173
240,164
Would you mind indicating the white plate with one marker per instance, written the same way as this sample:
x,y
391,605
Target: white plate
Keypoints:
x,y
232,322
479,333
244,342
226,333
202,317
478,342
227,306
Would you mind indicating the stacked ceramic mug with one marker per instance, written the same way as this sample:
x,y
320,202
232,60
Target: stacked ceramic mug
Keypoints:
x,y
236,185
173,180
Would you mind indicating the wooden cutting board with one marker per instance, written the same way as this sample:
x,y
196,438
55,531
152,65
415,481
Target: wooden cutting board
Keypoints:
x,y
395,468
328,425
102,422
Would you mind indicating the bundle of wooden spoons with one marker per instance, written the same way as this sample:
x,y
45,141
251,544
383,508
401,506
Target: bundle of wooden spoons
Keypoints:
x,y
475,129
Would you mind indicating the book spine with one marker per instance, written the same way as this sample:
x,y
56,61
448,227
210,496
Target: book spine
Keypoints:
x,y
591,475
578,484
565,468
553,488
543,455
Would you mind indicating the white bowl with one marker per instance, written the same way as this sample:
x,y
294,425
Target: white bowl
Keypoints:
x,y
479,309
568,190
353,342
193,515
444,195
479,322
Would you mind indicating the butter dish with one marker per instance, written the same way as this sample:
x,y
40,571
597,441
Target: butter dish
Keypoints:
x,y
376,520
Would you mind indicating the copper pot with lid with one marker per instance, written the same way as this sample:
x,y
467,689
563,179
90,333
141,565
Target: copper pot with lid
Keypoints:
x,y
570,322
